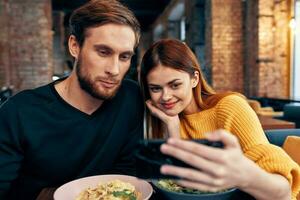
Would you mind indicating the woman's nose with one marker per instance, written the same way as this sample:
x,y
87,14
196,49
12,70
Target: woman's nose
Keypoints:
x,y
166,95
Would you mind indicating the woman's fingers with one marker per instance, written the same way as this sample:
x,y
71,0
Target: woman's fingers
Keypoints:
x,y
229,140
194,160
215,168
156,111
195,179
200,186
210,153
189,174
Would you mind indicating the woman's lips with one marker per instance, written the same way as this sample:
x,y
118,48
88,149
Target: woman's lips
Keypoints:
x,y
169,105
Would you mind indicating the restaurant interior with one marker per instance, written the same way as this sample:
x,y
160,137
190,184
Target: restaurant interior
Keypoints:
x,y
246,46
242,46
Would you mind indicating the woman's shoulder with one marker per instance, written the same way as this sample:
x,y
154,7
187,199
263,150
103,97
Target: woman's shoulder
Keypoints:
x,y
234,103
232,98
226,98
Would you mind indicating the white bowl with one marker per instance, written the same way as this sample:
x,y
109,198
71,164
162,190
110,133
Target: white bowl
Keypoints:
x,y
71,190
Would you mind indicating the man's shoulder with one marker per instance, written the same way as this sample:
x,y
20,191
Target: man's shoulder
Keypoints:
x,y
130,86
32,96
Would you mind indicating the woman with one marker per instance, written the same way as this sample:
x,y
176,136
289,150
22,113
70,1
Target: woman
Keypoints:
x,y
183,105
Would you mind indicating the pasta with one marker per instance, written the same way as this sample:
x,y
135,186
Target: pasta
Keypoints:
x,y
173,187
113,190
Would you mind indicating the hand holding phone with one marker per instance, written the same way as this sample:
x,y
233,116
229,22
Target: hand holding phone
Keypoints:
x,y
149,158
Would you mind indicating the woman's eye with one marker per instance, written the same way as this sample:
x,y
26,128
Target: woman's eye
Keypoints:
x,y
154,89
175,86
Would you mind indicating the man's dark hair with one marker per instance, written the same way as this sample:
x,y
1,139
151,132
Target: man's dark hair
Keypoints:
x,y
99,12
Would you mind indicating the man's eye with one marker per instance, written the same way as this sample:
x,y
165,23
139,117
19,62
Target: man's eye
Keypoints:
x,y
125,57
103,53
155,89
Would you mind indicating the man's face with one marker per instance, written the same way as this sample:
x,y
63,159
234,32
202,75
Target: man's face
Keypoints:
x,y
104,59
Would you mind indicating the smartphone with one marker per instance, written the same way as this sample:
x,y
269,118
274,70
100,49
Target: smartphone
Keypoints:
x,y
149,159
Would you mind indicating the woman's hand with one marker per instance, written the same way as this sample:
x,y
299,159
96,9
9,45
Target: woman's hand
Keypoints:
x,y
172,122
215,169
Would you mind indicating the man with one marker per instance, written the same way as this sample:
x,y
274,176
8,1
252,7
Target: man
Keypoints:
x,y
85,124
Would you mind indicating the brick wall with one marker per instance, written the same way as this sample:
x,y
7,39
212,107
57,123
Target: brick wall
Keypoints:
x,y
226,45
59,53
26,48
250,47
246,44
4,51
196,33
273,57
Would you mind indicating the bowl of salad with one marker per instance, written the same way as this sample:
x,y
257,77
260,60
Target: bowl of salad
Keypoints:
x,y
169,190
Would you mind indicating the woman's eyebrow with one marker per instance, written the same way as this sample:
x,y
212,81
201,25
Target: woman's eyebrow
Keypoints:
x,y
170,82
173,81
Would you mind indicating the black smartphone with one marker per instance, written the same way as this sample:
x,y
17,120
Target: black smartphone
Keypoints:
x,y
149,159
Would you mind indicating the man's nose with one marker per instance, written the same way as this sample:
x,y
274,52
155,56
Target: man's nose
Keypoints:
x,y
113,67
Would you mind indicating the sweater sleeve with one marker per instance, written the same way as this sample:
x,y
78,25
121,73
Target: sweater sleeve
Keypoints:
x,y
10,148
236,116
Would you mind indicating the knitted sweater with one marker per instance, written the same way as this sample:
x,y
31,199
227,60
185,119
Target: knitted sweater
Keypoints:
x,y
233,114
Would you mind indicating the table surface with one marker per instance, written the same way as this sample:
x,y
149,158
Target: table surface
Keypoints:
x,y
271,123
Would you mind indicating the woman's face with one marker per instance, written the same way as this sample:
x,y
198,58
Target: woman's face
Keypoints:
x,y
171,90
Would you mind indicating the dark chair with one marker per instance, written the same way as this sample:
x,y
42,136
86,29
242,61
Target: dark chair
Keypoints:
x,y
291,112
278,136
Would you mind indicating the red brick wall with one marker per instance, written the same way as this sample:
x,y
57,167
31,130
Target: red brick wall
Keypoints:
x,y
4,51
226,43
250,40
26,47
59,53
273,49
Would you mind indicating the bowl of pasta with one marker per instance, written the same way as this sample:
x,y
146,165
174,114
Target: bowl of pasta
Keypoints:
x,y
169,190
108,187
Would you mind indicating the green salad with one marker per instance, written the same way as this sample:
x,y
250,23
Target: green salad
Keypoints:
x,y
173,187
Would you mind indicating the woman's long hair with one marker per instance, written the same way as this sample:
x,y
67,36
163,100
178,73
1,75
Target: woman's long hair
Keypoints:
x,y
177,55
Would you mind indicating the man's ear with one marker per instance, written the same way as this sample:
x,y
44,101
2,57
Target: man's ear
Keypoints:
x,y
74,47
195,79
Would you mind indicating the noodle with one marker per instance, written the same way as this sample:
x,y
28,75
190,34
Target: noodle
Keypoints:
x,y
113,190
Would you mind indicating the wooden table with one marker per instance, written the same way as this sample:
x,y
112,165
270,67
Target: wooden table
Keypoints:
x,y
46,194
271,123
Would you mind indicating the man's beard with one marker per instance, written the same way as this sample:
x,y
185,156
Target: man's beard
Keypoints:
x,y
87,84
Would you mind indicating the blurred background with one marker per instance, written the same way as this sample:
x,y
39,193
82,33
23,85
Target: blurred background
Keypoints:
x,y
248,46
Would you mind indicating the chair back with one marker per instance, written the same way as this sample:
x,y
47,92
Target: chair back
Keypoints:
x,y
278,136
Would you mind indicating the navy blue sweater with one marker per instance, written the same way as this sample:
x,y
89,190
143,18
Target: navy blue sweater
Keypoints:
x,y
45,142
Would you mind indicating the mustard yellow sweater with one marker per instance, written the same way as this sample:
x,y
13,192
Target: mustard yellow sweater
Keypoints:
x,y
233,114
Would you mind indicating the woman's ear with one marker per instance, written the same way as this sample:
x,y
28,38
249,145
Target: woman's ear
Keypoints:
x,y
195,79
74,48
